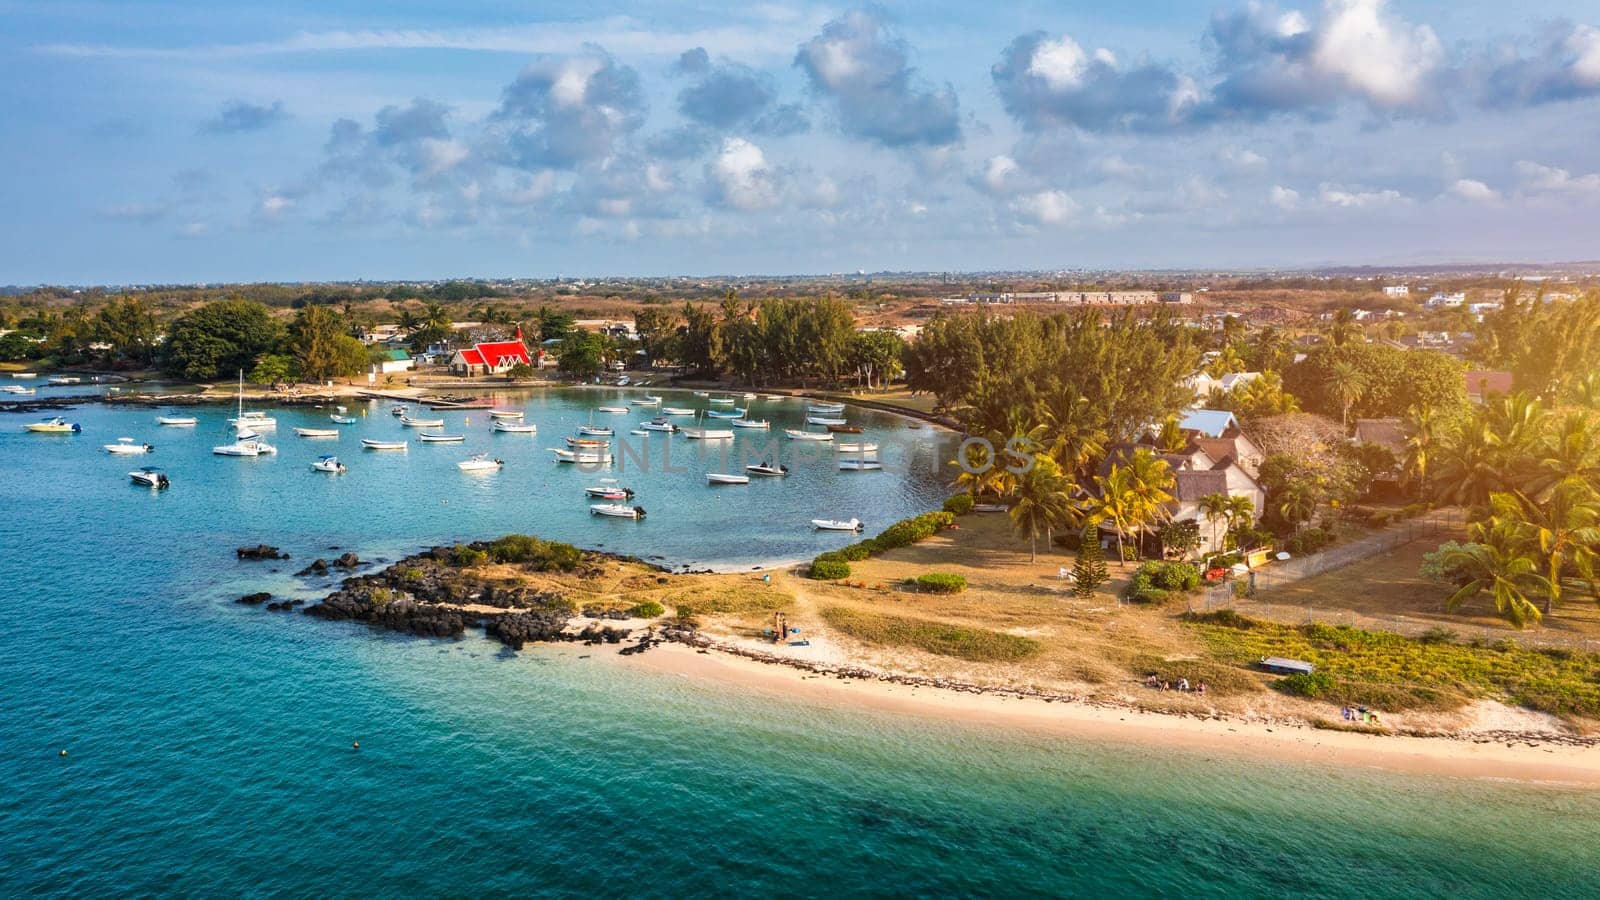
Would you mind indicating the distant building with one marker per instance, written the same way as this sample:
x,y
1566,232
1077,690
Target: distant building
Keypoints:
x,y
394,361
1446,301
494,358
1397,290
1180,297
1076,298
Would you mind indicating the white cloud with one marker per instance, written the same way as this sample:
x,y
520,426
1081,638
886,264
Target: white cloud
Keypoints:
x,y
1045,207
1060,62
1374,54
1473,191
1001,175
740,178
1284,198
1549,179
273,205
1243,160
1584,44
437,155
1336,196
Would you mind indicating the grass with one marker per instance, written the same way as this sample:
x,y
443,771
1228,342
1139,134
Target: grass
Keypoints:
x,y
1391,671
943,638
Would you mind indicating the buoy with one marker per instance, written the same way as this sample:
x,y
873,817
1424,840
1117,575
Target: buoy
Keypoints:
x,y
63,753
354,745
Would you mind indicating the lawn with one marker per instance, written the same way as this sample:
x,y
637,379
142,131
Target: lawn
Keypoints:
x,y
943,638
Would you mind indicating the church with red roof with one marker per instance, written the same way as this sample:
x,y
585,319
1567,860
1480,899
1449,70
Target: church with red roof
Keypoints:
x,y
493,358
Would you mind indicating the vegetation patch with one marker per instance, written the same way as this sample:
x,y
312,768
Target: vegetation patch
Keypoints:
x,y
536,554
830,569
939,583
901,534
942,638
649,609
958,504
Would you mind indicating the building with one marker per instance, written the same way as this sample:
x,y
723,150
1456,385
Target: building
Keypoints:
x,y
1447,301
1397,290
1075,298
1180,297
1196,475
392,361
1387,433
1481,384
493,358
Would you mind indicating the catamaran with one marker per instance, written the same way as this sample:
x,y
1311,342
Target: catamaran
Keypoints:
x,y
254,420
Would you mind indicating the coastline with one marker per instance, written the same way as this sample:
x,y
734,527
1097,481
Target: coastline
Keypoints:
x,y
1498,758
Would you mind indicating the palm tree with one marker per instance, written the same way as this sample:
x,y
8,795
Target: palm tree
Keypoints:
x,y
1113,501
1346,385
1563,530
1044,503
1076,438
1421,425
1571,451
1501,565
1152,482
1214,507
1297,502
1344,328
1240,510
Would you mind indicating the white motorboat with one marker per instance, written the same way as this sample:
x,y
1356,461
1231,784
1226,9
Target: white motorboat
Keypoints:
x,y
796,434
824,420
858,464
432,437
721,401
750,423
640,432
409,422
677,411
480,463
56,425
658,425
774,470
505,414
644,401
612,409
702,393
773,397
837,524
608,489
150,477
856,448
825,409
127,447
617,510
66,379
328,464
371,444
749,396
342,420
723,478
397,410
586,456
24,374
179,421
340,409
245,443
317,432
19,389
725,413
709,434
592,443
509,428
602,430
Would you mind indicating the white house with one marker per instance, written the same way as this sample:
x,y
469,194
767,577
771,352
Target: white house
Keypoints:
x,y
1397,290
1447,301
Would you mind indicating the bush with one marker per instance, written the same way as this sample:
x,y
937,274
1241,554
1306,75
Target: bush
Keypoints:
x,y
941,583
1149,595
1163,578
958,504
908,531
1313,686
649,609
538,555
465,557
1310,540
829,570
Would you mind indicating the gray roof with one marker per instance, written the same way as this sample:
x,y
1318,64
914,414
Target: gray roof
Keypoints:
x,y
1193,484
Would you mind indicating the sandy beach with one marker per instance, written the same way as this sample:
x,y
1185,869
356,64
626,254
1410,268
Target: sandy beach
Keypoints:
x,y
1474,758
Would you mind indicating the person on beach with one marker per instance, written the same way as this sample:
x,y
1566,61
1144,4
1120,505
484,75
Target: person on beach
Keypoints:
x,y
1201,689
1183,685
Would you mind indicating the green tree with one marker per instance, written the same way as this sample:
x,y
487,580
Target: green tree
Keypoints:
x,y
321,347
272,368
219,338
129,328
1500,565
1214,507
1089,572
1044,503
581,354
1346,384
876,357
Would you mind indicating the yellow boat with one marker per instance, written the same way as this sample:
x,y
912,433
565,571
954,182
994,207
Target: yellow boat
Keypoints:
x,y
57,425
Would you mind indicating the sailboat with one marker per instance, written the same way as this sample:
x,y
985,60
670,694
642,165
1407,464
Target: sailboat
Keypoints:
x,y
255,420
245,443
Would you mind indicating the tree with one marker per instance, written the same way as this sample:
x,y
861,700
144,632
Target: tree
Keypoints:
x,y
1215,508
321,347
553,324
219,338
581,354
1151,483
433,327
272,368
129,328
1113,501
1421,427
1043,503
876,356
1344,329
1346,384
1560,533
658,333
1500,565
1089,572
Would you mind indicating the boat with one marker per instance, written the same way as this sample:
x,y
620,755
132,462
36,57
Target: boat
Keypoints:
x,y
604,430
856,448
612,409
66,379
709,434
480,463
677,411
245,443
913,424
825,409
723,478
126,446
317,432
150,477
608,489
18,389
768,468
371,444
702,393
617,510
509,428
342,420
657,425
796,434
585,456
398,410
505,414
773,397
409,422
644,401
837,524
434,437
180,421
255,420
340,409
858,464
721,401
24,374
725,413
749,396
750,423
586,442
640,431
823,420
845,429
330,464
56,425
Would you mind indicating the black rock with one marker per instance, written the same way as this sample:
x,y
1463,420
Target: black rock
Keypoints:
x,y
261,551
317,567
348,560
254,599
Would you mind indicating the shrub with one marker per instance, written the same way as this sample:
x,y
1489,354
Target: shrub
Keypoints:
x,y
829,570
536,554
1310,540
941,583
1161,578
909,531
1150,595
1313,686
649,609
958,504
465,557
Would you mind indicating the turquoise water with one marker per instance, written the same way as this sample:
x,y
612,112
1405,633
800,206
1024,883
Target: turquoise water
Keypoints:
x,y
209,744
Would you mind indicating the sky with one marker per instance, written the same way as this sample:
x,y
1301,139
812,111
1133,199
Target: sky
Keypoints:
x,y
179,141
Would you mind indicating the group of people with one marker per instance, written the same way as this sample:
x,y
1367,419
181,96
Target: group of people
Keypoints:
x,y
1152,681
1360,714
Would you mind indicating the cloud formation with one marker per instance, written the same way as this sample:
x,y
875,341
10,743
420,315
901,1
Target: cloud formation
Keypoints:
x,y
740,178
1564,66
863,70
564,111
239,115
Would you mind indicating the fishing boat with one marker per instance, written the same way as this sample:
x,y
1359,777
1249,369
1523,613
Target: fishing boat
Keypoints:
x,y
823,420
254,420
505,414
702,393
608,489
796,434
603,430
768,468
677,411
845,429
837,524
435,437
150,477
858,464
179,421
328,463
66,379
586,456
56,425
480,463
371,444
612,409
617,510
721,401
409,422
709,434
773,397
24,374
19,389
317,432
657,425
856,448
592,443
509,428
245,443
127,447
749,396
342,420
724,478
725,413
750,423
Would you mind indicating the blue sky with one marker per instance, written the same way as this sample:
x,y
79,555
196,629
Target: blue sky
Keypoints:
x,y
210,141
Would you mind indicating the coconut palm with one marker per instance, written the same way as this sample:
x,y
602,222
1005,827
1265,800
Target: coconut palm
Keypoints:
x,y
1422,439
1570,451
1563,531
1113,501
1346,384
1075,436
1344,329
1044,503
1501,565
1214,507
1297,502
1240,510
1152,482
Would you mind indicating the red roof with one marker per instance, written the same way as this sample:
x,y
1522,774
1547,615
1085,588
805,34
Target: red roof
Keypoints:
x,y
472,357
503,353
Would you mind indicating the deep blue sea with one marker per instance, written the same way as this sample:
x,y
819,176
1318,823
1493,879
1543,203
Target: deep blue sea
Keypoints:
x,y
209,744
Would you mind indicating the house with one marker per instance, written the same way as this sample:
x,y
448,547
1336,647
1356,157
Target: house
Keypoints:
x,y
1198,474
1209,422
1446,301
493,358
1397,290
1481,384
392,361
